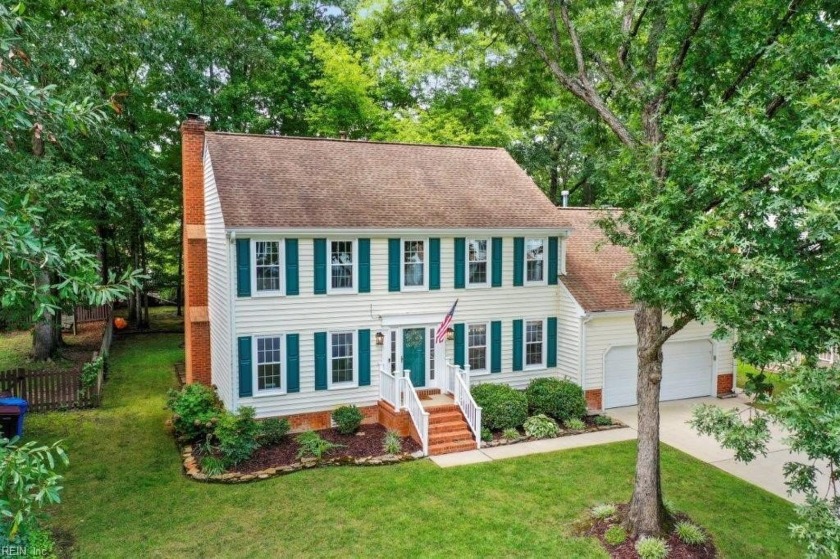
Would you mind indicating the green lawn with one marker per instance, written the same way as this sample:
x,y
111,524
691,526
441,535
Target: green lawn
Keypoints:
x,y
125,495
780,384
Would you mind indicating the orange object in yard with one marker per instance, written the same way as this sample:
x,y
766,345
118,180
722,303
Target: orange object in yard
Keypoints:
x,y
120,323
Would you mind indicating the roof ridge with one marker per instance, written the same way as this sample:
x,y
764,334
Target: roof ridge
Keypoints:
x,y
321,139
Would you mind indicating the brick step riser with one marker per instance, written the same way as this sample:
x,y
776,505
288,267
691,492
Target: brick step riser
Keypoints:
x,y
428,392
443,408
452,438
448,417
437,428
452,447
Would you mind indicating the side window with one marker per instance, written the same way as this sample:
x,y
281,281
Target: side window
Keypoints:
x,y
534,343
477,347
267,265
342,262
342,358
477,257
534,259
269,363
414,263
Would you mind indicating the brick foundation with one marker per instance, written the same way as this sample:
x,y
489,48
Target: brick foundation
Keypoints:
x,y
725,383
593,400
394,420
323,419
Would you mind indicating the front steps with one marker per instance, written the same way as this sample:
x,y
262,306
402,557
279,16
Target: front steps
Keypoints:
x,y
448,430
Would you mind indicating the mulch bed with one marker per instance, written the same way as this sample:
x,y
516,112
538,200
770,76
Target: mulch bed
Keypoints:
x,y
591,426
367,442
676,548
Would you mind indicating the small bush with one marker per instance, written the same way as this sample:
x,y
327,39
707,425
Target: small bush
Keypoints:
x,y
486,435
311,444
615,535
37,541
603,420
392,443
347,419
603,512
196,410
272,430
574,424
541,427
690,533
237,435
560,399
212,466
502,407
510,434
652,548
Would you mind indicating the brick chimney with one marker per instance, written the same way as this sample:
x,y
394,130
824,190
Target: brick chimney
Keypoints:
x,y
196,316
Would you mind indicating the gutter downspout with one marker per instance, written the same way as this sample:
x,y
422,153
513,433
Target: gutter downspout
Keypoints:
x,y
234,378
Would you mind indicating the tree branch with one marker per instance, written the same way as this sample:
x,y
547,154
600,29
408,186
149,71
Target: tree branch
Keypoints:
x,y
555,30
630,29
678,325
792,9
570,29
679,59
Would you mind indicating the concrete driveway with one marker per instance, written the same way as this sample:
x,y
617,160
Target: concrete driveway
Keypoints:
x,y
765,472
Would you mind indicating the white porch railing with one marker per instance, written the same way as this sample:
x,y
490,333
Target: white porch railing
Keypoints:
x,y
458,384
419,416
830,356
389,388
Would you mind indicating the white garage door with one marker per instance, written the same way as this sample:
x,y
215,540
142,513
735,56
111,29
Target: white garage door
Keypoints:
x,y
686,373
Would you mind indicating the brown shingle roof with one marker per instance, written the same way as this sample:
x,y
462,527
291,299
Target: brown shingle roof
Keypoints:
x,y
284,182
593,264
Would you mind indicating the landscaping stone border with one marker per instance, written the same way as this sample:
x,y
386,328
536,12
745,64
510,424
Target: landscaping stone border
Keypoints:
x,y
193,470
563,433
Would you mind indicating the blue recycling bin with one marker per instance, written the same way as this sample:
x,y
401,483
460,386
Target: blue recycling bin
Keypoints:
x,y
12,412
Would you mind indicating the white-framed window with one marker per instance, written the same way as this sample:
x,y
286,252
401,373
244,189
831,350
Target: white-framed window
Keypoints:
x,y
267,258
534,343
342,360
477,343
393,352
431,336
478,262
268,356
343,265
535,260
415,273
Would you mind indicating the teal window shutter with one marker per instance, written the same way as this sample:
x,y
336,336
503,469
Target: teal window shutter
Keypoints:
x,y
320,248
517,345
552,261
460,262
434,263
496,346
460,339
292,276
245,377
518,261
551,353
394,264
364,265
243,267
320,360
364,357
496,250
292,363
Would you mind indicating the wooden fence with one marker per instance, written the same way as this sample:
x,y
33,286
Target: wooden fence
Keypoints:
x,y
92,314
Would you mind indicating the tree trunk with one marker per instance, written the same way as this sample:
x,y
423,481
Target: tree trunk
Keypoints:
x,y
44,341
647,515
554,184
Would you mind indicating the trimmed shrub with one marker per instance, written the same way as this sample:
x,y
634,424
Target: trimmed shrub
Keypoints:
x,y
273,430
196,409
560,399
237,435
690,533
574,424
212,466
652,548
347,419
486,435
311,444
392,443
510,434
615,535
602,420
502,407
603,512
541,427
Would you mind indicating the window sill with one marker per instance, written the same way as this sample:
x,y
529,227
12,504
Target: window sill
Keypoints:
x,y
269,393
347,291
537,367
264,294
342,386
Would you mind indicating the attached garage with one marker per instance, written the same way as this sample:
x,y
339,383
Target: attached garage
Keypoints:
x,y
687,372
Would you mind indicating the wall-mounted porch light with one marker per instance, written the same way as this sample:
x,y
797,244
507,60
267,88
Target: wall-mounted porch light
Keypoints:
x,y
380,338
450,334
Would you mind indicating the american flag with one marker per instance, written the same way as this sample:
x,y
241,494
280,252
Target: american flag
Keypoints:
x,y
440,334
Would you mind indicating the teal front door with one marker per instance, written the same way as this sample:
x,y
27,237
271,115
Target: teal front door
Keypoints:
x,y
414,354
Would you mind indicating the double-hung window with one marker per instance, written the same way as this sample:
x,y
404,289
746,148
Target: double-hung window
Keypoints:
x,y
414,263
534,260
342,265
477,258
534,343
477,347
269,372
342,359
267,266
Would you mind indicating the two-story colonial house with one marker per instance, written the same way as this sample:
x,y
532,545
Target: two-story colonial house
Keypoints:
x,y
318,270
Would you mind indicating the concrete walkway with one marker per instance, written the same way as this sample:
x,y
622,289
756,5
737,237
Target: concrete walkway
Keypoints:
x,y
533,447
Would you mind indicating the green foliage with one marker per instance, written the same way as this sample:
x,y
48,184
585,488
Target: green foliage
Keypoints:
x,y
486,435
212,466
90,372
502,407
818,527
541,427
196,409
758,388
574,424
28,480
37,540
652,548
511,434
690,533
748,438
273,430
603,420
392,444
311,444
603,511
615,535
237,435
560,399
348,419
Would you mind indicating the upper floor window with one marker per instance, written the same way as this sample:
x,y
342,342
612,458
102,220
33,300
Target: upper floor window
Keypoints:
x,y
477,258
477,347
342,359
267,265
414,263
342,265
534,259
269,360
534,343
